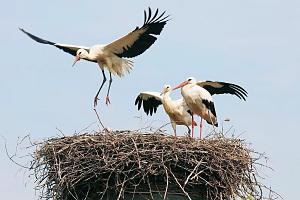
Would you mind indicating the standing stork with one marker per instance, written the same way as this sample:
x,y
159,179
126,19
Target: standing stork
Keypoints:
x,y
198,97
112,56
177,110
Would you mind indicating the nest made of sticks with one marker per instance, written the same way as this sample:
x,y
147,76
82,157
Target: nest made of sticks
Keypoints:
x,y
117,164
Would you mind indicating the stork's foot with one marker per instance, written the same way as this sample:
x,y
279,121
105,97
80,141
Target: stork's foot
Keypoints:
x,y
107,101
95,101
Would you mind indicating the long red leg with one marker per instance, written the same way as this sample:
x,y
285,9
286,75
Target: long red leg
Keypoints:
x,y
193,125
201,128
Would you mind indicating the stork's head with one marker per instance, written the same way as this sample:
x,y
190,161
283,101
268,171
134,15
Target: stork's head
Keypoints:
x,y
190,80
166,88
81,53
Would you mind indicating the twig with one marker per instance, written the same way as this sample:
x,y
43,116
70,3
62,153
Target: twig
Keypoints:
x,y
99,119
158,129
186,194
137,152
121,190
10,157
167,184
187,179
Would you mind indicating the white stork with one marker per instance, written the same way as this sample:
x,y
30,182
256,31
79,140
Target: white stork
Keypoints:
x,y
177,110
198,97
112,56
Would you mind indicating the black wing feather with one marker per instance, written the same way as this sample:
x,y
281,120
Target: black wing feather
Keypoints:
x,y
226,88
68,50
37,39
211,107
43,41
150,104
149,15
154,26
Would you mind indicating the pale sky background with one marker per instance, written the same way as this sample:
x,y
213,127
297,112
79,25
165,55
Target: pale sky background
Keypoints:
x,y
251,43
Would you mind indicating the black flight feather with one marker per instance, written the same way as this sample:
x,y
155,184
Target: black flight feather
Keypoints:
x,y
149,105
153,25
211,107
228,88
69,50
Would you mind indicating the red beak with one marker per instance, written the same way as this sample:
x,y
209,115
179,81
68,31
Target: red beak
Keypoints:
x,y
180,85
77,58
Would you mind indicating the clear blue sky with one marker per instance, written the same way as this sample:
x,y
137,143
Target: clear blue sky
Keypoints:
x,y
251,43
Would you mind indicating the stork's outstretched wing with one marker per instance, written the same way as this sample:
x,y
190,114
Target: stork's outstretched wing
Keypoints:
x,y
140,39
216,87
71,49
149,100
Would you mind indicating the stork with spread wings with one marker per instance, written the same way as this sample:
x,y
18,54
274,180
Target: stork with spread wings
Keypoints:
x,y
112,56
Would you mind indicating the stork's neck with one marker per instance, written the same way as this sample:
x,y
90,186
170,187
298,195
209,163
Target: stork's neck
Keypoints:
x,y
167,101
88,56
186,88
166,97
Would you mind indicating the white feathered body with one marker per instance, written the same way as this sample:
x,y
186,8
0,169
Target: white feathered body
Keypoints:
x,y
106,59
177,110
194,97
175,113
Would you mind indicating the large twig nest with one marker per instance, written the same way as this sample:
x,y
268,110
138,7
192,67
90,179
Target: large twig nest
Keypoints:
x,y
126,164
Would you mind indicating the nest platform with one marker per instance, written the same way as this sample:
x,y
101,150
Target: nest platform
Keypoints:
x,y
136,165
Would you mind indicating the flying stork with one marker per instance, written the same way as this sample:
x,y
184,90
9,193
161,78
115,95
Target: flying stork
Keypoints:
x,y
198,97
112,56
177,110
